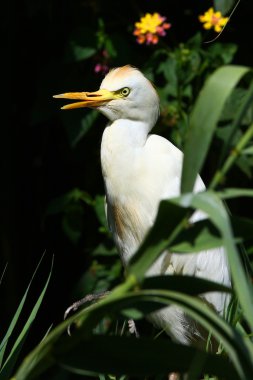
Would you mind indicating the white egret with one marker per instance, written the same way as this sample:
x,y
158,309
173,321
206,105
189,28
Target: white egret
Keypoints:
x,y
140,170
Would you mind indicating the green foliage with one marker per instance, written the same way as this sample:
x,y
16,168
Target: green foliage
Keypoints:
x,y
207,111
204,119
9,358
183,71
224,6
89,352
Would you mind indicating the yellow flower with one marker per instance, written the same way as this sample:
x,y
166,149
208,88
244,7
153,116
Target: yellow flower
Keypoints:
x,y
150,28
213,19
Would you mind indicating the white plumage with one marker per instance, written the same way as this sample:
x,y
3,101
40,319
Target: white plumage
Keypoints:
x,y
140,170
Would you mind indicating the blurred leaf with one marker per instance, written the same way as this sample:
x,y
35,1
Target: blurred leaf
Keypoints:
x,y
60,203
195,41
2,276
102,250
110,48
222,51
229,193
99,206
70,205
190,65
204,118
224,6
242,228
243,113
223,133
169,69
81,45
248,151
245,165
119,355
79,53
73,222
232,105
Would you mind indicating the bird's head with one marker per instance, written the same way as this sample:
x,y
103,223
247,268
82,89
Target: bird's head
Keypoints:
x,y
125,93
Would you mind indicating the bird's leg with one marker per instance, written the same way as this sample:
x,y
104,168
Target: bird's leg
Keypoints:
x,y
95,297
88,298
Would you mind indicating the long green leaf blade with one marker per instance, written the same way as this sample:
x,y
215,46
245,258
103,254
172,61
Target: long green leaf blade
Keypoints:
x,y
10,362
15,319
210,203
204,118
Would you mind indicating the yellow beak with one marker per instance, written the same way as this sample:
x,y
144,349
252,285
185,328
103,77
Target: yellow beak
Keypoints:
x,y
89,99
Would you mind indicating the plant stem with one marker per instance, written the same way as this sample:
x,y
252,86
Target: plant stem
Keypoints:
x,y
219,175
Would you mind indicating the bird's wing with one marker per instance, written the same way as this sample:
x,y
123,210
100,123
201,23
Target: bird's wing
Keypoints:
x,y
169,160
210,264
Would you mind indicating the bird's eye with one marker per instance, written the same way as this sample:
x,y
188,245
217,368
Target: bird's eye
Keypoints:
x,y
125,91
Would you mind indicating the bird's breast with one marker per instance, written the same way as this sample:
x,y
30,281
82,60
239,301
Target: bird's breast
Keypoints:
x,y
130,212
136,180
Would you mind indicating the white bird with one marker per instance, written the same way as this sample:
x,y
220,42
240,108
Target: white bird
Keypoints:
x,y
140,170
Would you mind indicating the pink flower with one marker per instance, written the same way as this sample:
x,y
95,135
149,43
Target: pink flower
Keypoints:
x,y
101,68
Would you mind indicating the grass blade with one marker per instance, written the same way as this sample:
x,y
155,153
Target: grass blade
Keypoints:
x,y
9,364
15,319
2,276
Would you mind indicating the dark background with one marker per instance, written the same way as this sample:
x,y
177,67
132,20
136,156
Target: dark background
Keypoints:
x,y
38,162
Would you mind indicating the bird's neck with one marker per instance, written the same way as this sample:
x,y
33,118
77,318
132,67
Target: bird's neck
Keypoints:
x,y
126,134
122,146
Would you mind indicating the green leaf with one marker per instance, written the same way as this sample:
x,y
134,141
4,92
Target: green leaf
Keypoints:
x,y
102,250
10,362
223,53
2,275
15,319
73,221
159,238
169,69
99,206
248,151
245,165
243,112
81,45
184,284
242,228
235,193
59,204
204,118
197,237
80,53
224,6
210,203
139,357
43,356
